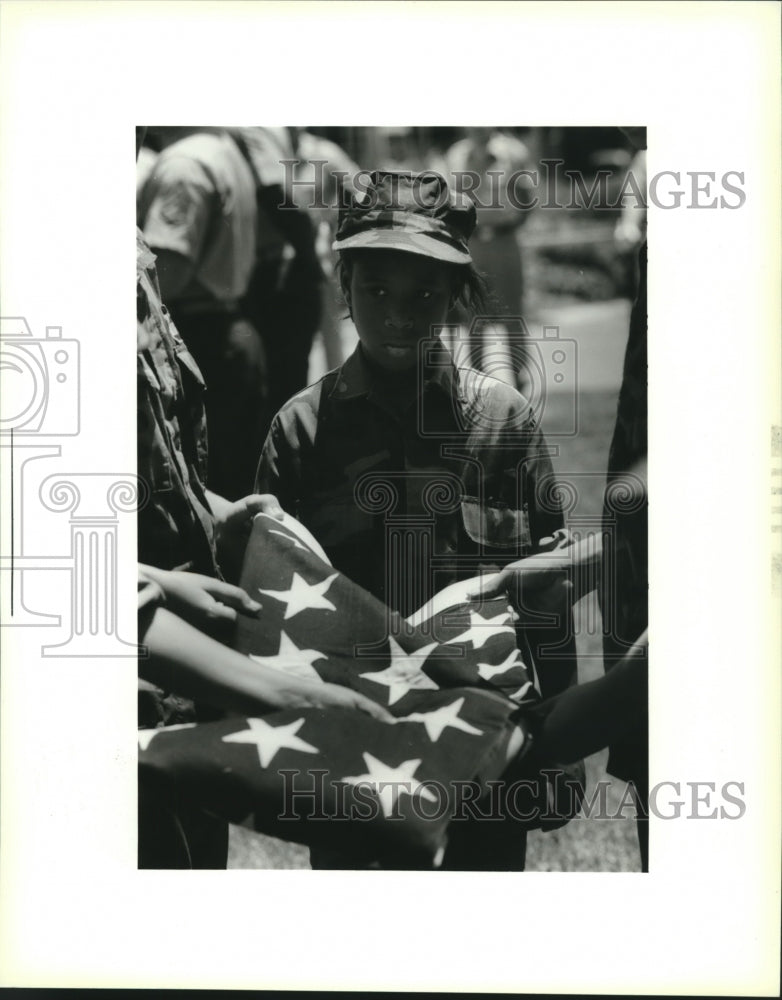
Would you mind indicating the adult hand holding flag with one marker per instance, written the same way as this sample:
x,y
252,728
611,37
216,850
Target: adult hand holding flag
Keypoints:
x,y
562,572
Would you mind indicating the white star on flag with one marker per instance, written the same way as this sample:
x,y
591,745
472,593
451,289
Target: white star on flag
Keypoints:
x,y
488,670
269,739
290,538
518,695
303,595
435,722
404,672
145,736
482,629
388,782
292,660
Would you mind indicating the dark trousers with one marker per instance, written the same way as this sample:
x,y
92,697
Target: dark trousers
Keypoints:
x,y
229,352
173,835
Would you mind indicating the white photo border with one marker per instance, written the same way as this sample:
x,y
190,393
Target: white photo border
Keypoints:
x,y
704,78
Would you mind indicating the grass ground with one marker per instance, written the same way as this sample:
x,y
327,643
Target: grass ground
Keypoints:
x,y
584,844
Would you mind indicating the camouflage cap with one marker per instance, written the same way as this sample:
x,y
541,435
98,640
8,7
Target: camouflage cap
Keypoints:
x,y
417,213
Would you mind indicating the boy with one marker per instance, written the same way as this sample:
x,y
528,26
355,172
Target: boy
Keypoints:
x,y
410,473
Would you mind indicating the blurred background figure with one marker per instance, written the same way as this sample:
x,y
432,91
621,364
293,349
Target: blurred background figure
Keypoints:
x,y
487,164
630,229
148,152
284,295
495,158
322,172
197,211
399,150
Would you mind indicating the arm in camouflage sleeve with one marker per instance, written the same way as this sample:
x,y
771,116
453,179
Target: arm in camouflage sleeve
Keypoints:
x,y
277,470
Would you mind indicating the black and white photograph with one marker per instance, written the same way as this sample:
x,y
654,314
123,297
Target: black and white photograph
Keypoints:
x,y
435,364
421,584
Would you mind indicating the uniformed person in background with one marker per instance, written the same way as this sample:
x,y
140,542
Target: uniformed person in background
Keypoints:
x,y
197,210
283,298
322,173
496,159
490,165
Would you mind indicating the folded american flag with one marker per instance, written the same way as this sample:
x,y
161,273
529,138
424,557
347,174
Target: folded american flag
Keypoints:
x,y
451,676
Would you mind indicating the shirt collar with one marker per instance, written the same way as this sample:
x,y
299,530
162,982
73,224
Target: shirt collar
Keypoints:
x,y
355,378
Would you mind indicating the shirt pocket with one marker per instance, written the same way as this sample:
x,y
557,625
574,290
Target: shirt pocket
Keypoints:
x,y
495,524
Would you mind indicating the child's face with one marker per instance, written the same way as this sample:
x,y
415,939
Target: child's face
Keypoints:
x,y
396,298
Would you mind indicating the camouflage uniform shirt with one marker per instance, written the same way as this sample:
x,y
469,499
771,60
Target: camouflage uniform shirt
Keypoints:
x,y
175,523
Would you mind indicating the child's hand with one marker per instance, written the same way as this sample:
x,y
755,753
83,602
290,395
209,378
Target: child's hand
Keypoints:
x,y
236,516
302,693
343,697
204,602
233,521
